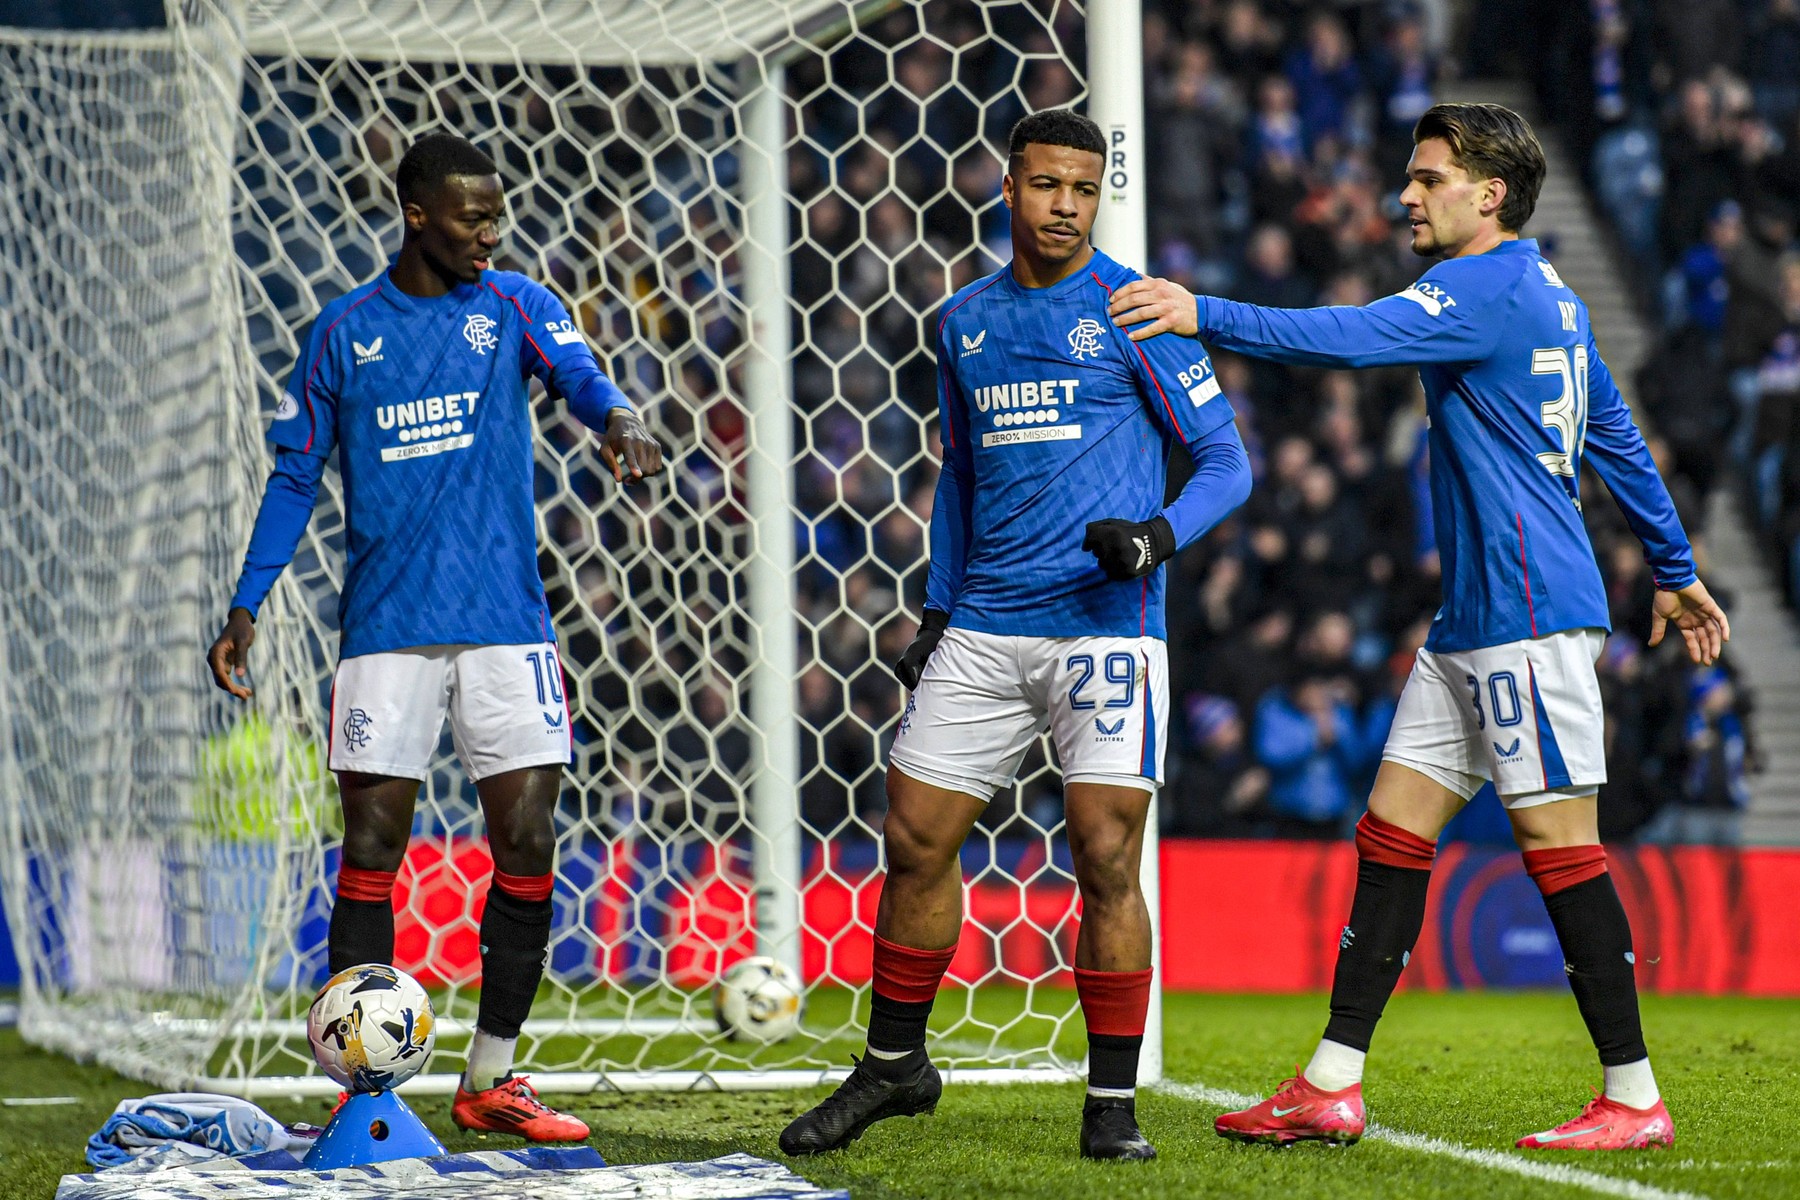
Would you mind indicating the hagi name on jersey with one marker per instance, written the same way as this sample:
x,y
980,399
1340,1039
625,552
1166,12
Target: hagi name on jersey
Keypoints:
x,y
1034,402
429,426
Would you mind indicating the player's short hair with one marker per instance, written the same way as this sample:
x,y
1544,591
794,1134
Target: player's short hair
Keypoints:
x,y
1491,141
1054,127
433,159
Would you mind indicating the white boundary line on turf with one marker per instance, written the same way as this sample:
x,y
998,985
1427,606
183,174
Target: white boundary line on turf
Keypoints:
x,y
1530,1168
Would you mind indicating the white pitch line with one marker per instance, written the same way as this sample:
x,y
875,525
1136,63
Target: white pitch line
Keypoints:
x,y
1529,1168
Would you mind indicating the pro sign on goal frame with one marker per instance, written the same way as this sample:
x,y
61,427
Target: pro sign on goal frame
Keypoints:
x,y
753,208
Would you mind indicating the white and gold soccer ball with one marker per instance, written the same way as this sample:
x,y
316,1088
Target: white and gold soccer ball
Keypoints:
x,y
759,999
371,1027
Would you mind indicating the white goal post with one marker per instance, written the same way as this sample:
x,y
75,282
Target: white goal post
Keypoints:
x,y
753,208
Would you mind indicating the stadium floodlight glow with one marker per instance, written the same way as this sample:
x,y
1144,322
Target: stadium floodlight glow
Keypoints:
x,y
753,207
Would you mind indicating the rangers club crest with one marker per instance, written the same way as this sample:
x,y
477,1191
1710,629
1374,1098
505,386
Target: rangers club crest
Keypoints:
x,y
479,329
1084,339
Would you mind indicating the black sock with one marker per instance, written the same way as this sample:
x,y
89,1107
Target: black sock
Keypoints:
x,y
1385,919
1596,944
896,1027
1113,1061
515,939
362,931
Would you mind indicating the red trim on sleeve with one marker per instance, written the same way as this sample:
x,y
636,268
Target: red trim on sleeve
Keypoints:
x,y
1148,370
944,367
312,430
1526,571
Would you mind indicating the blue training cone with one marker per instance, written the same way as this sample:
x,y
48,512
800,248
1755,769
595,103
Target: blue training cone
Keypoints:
x,y
371,1127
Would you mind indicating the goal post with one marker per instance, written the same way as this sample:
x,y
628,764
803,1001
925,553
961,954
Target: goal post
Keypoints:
x,y
753,210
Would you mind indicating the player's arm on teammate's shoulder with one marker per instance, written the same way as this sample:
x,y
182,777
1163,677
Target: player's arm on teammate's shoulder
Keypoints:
x,y
1616,450
1444,317
562,358
287,504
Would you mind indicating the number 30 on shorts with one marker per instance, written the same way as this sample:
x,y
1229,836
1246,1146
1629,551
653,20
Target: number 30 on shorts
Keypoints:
x,y
1503,699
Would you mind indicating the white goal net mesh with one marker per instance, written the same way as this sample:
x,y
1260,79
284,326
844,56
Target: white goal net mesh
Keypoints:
x,y
754,209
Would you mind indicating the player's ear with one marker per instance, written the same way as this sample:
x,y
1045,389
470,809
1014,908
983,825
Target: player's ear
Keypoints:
x,y
414,217
1493,195
1007,188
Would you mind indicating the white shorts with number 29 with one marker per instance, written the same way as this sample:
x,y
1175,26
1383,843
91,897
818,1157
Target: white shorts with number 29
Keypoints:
x,y
1524,714
506,706
984,698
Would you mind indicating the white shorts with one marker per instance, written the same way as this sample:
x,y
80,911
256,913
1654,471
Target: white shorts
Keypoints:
x,y
506,705
985,698
1524,714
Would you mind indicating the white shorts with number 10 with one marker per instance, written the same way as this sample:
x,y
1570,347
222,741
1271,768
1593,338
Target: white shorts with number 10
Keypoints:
x,y
1524,714
984,698
506,706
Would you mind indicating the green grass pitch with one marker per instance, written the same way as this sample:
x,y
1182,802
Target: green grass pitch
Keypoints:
x,y
1453,1080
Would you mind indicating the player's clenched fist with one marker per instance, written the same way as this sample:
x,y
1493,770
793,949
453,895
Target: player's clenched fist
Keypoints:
x,y
1166,306
1130,549
911,663
629,450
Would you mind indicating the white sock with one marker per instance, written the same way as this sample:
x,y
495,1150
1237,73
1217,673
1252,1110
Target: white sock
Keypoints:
x,y
490,1061
886,1055
1632,1084
1112,1093
1334,1066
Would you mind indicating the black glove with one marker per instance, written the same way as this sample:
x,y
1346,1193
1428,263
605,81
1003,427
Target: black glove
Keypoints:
x,y
1130,549
910,665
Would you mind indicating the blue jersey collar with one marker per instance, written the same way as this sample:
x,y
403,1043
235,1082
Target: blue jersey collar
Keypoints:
x,y
1062,286
456,297
1513,246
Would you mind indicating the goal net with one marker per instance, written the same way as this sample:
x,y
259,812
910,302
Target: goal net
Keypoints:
x,y
753,208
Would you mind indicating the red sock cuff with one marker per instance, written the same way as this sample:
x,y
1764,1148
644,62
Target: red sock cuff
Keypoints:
x,y
908,975
354,883
532,888
1562,867
1114,1002
1377,841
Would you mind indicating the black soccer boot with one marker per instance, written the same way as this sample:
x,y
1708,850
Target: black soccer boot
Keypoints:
x,y
859,1102
1109,1129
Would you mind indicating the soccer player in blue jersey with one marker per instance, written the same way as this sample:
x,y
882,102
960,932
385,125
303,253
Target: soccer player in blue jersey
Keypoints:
x,y
1043,609
1504,689
418,380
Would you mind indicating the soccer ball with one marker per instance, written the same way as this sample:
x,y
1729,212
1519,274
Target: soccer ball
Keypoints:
x,y
759,999
371,1027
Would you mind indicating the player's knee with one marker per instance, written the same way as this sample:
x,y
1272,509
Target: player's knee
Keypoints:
x,y
914,844
1106,870
523,847
375,843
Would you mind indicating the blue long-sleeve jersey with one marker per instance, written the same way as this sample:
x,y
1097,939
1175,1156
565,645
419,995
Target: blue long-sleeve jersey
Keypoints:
x,y
1053,418
1518,398
425,401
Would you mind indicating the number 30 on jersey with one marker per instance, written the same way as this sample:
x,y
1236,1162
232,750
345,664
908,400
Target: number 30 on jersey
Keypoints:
x,y
1567,414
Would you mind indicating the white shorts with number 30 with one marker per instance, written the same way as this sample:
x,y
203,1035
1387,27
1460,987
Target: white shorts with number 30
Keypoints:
x,y
506,706
984,698
1524,714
